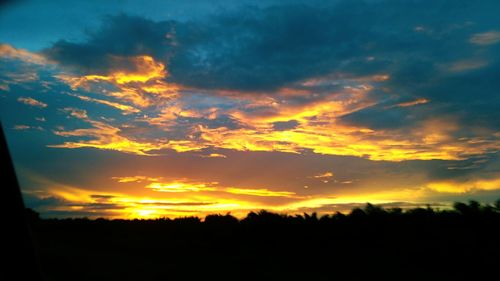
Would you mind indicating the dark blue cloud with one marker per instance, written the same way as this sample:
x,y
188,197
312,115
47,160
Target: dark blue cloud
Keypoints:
x,y
265,48
470,97
378,117
260,49
285,125
118,36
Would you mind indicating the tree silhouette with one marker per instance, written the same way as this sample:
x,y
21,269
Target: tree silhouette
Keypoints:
x,y
368,243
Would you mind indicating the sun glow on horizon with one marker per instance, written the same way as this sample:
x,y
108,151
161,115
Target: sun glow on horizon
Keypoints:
x,y
191,198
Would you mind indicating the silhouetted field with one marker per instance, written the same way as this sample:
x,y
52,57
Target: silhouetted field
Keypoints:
x,y
368,244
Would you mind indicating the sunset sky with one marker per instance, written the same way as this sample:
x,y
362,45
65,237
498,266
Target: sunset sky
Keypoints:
x,y
128,109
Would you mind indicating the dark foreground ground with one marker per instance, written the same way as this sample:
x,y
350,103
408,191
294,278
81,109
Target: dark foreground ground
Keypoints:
x,y
368,244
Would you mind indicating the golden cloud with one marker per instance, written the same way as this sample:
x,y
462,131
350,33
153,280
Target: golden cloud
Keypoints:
x,y
108,137
464,187
127,109
323,175
180,186
316,122
187,185
138,85
260,192
214,155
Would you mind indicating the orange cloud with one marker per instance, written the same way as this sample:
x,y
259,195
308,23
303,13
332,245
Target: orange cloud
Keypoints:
x,y
324,175
432,141
145,69
32,102
22,127
134,179
131,95
315,122
7,51
413,103
317,130
108,137
139,85
485,38
4,87
127,109
465,65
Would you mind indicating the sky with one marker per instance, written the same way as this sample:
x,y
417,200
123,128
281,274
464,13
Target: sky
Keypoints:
x,y
132,109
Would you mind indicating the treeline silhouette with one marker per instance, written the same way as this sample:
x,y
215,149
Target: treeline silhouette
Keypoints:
x,y
370,243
